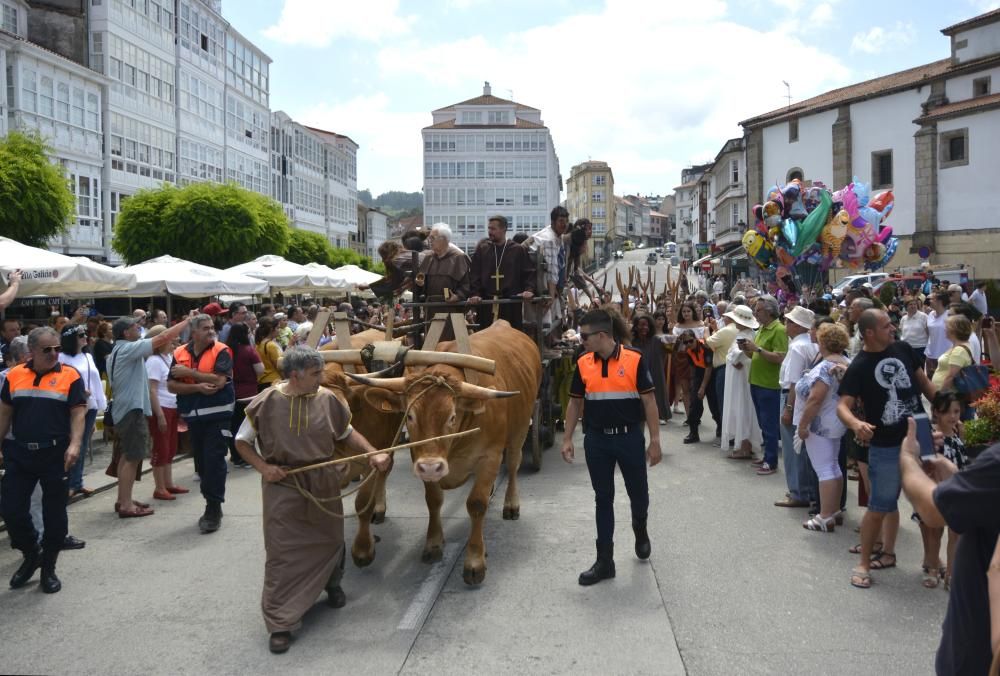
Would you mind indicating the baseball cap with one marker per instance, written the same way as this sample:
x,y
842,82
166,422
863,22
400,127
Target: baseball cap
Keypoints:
x,y
213,309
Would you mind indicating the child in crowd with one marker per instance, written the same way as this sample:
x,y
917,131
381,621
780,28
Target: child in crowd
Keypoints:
x,y
947,411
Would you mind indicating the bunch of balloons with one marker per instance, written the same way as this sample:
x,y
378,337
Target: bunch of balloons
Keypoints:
x,y
812,225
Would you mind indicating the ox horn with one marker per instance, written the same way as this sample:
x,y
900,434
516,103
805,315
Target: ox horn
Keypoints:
x,y
391,384
341,356
465,361
478,392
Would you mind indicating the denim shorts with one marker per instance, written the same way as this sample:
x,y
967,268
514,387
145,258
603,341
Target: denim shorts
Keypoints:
x,y
884,477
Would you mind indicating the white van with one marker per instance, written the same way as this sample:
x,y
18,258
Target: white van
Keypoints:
x,y
855,281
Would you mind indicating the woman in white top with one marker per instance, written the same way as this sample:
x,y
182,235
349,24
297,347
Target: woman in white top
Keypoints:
x,y
73,340
163,422
913,327
688,319
937,341
739,418
815,416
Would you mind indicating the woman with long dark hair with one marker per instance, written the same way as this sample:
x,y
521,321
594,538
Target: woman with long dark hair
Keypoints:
x,y
266,339
646,340
247,367
73,340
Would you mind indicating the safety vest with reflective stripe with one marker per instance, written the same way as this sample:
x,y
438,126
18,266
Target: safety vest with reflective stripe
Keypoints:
x,y
615,379
42,402
697,356
197,406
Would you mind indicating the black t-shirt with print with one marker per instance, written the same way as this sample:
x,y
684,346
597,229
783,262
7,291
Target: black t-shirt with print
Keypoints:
x,y
970,504
885,383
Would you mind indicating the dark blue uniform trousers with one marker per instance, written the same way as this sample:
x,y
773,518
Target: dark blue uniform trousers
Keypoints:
x,y
210,445
25,469
603,452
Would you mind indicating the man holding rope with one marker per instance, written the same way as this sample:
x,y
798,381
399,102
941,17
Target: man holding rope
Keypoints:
x,y
295,423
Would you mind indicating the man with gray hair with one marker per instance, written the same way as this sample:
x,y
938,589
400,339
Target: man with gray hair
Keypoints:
x,y
444,274
201,376
131,404
767,351
303,541
701,298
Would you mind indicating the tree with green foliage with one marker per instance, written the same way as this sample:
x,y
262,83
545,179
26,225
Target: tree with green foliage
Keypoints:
x,y
309,247
208,223
37,201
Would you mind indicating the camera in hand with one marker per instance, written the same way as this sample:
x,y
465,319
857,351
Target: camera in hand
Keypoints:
x,y
924,437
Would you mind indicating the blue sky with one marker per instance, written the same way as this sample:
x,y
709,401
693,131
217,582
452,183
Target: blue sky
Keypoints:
x,y
649,87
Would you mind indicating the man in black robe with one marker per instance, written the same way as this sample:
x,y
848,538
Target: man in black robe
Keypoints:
x,y
501,269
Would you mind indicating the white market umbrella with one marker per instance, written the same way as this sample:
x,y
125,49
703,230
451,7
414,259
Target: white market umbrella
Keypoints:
x,y
328,272
46,273
169,275
283,275
351,276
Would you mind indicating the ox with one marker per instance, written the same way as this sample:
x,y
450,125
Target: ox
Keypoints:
x,y
379,430
439,401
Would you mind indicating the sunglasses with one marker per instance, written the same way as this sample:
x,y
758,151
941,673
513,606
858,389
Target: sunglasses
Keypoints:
x,y
584,336
50,349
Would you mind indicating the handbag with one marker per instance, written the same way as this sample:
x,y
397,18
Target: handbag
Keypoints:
x,y
973,380
109,420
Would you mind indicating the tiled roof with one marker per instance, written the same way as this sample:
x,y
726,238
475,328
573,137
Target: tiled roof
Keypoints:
x,y
520,124
988,17
487,100
960,108
334,134
880,86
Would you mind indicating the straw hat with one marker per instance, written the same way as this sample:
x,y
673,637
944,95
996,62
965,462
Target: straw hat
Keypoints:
x,y
743,315
155,331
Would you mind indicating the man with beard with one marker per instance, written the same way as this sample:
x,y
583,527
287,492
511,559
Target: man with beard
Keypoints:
x,y
500,269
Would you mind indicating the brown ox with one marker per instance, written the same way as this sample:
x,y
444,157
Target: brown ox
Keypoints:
x,y
379,429
438,401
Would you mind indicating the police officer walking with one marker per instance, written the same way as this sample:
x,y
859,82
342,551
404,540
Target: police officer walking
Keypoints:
x,y
202,378
47,403
613,390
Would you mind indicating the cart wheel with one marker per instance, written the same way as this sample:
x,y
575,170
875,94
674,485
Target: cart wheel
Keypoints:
x,y
536,443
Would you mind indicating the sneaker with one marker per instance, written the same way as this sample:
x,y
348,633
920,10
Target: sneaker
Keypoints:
x,y
757,462
196,477
765,470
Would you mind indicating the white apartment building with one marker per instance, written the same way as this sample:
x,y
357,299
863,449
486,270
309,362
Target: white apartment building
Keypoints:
x,y
376,231
314,174
177,98
488,156
727,194
64,101
929,133
689,211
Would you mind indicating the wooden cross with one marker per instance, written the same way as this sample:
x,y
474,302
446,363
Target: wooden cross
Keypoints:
x,y
496,308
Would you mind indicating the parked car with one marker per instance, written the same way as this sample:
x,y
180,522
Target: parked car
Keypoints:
x,y
619,254
855,281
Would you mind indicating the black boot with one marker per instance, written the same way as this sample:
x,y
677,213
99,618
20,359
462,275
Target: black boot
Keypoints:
x,y
603,568
642,546
211,520
50,584
692,437
32,560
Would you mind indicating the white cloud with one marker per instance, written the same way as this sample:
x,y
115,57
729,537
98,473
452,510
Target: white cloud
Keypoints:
x,y
877,39
821,15
390,141
316,23
648,87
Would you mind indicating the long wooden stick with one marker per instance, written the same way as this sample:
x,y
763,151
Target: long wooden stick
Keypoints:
x,y
391,449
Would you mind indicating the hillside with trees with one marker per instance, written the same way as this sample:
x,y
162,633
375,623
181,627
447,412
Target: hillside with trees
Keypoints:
x,y
396,203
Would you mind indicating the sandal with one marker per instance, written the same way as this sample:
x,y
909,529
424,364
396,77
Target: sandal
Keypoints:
x,y
933,577
135,513
818,523
737,455
877,561
861,578
876,550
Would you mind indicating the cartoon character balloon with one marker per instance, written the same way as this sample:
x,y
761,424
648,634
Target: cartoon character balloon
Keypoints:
x,y
834,233
759,248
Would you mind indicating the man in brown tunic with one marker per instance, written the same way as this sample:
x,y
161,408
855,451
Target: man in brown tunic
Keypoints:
x,y
500,269
444,275
295,423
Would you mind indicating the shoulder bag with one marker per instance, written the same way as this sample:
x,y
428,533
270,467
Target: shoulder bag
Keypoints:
x,y
973,380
